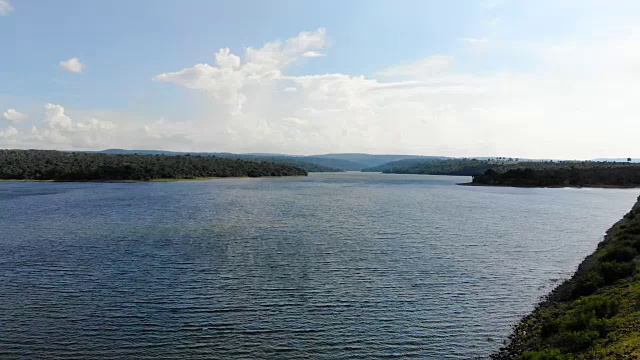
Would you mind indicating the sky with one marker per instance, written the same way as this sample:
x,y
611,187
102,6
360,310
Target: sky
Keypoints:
x,y
530,79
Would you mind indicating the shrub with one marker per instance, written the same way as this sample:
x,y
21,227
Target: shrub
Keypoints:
x,y
553,354
612,271
573,341
620,254
579,327
632,229
588,284
631,215
602,306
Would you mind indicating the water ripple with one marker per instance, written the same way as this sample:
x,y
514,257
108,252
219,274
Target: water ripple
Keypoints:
x,y
333,266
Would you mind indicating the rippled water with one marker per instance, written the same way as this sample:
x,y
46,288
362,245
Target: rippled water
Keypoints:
x,y
340,266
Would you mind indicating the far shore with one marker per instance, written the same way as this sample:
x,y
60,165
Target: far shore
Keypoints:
x,y
555,186
143,181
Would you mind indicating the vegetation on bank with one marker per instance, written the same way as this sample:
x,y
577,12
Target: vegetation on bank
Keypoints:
x,y
403,164
311,163
471,167
600,175
301,162
70,166
593,315
462,167
309,166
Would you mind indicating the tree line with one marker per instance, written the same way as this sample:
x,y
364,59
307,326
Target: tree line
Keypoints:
x,y
512,172
72,166
601,175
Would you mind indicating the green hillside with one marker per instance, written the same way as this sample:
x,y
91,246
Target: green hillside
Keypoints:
x,y
593,315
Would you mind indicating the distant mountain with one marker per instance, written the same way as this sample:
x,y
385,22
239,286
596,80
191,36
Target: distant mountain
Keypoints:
x,y
266,154
404,163
332,162
301,162
344,165
311,163
158,152
369,160
633,160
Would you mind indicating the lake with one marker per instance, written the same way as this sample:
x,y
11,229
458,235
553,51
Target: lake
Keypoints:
x,y
331,266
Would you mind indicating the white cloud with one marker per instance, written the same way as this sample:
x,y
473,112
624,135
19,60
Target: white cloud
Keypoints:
x,y
426,107
313,54
475,41
60,131
429,66
492,4
72,65
14,115
8,133
96,130
578,100
228,78
5,7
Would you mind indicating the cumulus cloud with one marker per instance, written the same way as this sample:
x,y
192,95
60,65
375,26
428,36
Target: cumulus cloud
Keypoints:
x,y
475,41
5,7
61,131
72,65
8,133
228,78
13,115
429,66
578,101
429,106
313,54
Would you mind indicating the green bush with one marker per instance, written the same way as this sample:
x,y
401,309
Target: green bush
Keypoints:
x,y
632,229
588,284
602,306
619,254
612,271
579,327
553,354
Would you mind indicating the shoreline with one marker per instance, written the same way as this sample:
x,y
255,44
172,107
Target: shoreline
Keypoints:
x,y
554,187
528,339
159,180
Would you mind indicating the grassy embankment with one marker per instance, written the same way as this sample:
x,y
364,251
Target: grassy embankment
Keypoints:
x,y
596,313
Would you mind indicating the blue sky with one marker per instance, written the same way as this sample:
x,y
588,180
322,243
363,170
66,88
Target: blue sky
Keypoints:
x,y
462,78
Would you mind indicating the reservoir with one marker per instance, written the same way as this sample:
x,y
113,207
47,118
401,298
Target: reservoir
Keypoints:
x,y
330,266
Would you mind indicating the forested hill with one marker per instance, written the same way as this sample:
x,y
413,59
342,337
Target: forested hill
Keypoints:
x,y
593,315
466,167
405,164
311,163
556,172
308,165
623,175
70,166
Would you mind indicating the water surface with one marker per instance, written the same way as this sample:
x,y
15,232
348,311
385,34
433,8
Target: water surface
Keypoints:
x,y
332,266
